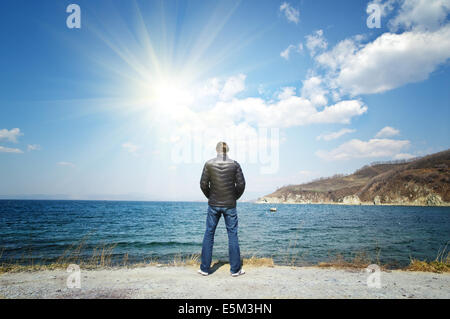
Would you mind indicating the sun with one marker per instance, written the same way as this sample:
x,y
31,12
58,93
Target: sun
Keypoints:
x,y
172,93
167,93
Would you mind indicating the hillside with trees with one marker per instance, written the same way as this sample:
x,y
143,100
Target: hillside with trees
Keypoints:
x,y
423,181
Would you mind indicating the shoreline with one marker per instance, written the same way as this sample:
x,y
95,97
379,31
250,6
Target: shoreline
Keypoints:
x,y
445,204
162,281
350,204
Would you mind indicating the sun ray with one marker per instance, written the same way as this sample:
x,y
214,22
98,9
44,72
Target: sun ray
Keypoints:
x,y
148,79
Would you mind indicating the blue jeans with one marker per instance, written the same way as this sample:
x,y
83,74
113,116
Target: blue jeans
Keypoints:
x,y
231,222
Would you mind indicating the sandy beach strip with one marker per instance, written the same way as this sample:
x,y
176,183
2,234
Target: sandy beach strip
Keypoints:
x,y
258,282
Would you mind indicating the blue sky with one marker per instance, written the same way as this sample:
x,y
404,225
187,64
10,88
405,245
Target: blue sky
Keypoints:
x,y
130,105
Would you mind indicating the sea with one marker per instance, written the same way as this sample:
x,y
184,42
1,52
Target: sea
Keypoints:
x,y
42,231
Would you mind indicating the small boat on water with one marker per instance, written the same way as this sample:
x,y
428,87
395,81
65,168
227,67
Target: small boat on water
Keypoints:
x,y
273,209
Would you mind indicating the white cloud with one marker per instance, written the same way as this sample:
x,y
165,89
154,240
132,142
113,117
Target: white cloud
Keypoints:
x,y
316,42
387,132
285,54
194,132
421,15
66,164
336,57
10,150
373,148
239,119
10,135
404,156
289,111
365,69
355,68
33,147
131,148
341,112
212,87
335,135
225,89
287,92
233,86
292,14
313,90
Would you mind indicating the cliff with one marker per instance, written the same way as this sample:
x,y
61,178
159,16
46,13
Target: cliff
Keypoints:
x,y
423,181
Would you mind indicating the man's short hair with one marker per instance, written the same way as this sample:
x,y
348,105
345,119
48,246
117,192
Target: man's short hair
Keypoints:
x,y
222,147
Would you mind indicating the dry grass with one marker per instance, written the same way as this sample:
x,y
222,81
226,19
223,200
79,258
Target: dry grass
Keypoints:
x,y
429,266
177,261
191,260
258,262
4,268
194,260
439,265
102,257
359,261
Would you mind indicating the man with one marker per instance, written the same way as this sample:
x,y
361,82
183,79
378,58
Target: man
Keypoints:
x,y
223,183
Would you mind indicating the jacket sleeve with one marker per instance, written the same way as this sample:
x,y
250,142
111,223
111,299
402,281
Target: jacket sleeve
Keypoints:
x,y
204,181
240,181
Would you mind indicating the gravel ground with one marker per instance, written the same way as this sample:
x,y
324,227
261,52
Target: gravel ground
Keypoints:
x,y
258,282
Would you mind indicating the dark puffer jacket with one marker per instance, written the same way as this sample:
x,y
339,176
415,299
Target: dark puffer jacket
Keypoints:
x,y
222,181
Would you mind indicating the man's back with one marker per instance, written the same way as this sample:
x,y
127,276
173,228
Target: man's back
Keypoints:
x,y
222,181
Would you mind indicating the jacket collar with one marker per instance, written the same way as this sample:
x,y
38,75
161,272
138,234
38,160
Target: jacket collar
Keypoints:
x,y
222,157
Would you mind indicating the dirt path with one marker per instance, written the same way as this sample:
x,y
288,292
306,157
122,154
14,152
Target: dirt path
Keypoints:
x,y
258,282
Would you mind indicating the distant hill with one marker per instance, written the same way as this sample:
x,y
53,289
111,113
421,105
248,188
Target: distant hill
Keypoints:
x,y
422,181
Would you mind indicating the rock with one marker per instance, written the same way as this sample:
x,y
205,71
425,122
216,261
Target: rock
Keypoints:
x,y
377,200
351,200
433,200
